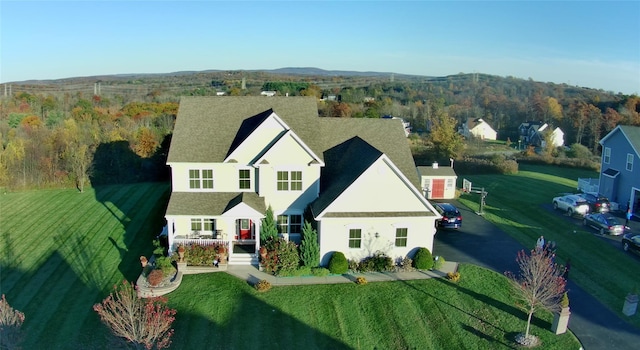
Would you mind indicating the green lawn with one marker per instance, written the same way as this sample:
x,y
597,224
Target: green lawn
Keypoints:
x,y
63,251
477,313
520,205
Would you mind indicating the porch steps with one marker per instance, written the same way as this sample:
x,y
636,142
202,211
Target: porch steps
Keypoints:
x,y
243,259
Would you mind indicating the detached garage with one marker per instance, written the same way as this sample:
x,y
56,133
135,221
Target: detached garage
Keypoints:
x,y
437,182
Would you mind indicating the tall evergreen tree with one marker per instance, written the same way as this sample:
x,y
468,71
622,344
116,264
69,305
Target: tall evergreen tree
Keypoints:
x,y
309,247
268,229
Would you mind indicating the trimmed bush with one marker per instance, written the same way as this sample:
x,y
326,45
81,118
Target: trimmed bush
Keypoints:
x,y
361,280
438,262
262,286
423,259
379,263
320,271
338,263
155,277
453,276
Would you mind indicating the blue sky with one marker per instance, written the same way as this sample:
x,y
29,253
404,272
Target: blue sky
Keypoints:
x,y
585,43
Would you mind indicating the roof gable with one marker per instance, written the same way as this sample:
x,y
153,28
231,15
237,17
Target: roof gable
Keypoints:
x,y
286,148
631,134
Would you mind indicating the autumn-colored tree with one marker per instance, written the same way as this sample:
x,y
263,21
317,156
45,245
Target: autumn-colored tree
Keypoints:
x,y
578,113
146,143
11,321
447,142
140,323
340,110
538,284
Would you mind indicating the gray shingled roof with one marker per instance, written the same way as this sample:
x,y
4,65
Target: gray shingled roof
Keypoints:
x,y
209,128
440,171
211,203
633,134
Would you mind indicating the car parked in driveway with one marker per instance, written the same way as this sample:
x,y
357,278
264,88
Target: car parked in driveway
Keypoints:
x,y
597,202
572,204
604,223
451,217
631,243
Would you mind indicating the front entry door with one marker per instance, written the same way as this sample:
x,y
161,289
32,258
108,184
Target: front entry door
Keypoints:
x,y
245,229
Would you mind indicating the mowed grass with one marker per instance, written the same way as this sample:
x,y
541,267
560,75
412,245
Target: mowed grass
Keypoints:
x,y
62,251
521,206
218,311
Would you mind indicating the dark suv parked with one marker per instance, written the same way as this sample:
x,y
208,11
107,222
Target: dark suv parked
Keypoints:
x,y
597,203
451,217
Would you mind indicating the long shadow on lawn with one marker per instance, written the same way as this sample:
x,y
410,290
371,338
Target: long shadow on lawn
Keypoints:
x,y
248,322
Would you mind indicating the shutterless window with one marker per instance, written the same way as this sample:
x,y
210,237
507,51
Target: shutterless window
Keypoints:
x,y
401,237
296,181
245,179
207,178
283,181
355,238
607,155
295,223
629,161
196,225
194,178
283,224
209,224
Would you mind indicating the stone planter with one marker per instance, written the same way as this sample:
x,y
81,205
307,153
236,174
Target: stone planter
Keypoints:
x,y
630,304
182,266
561,321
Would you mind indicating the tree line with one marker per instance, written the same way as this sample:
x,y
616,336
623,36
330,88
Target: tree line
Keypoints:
x,y
72,139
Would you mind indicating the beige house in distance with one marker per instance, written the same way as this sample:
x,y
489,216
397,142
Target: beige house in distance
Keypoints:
x,y
232,157
477,128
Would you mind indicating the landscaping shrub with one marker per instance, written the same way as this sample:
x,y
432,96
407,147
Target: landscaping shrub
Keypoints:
x,y
438,262
309,248
263,286
453,276
378,262
361,280
155,277
338,263
320,271
406,264
354,265
423,259
200,255
300,271
496,164
281,257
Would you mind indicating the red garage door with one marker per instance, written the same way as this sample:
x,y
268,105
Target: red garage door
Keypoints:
x,y
437,192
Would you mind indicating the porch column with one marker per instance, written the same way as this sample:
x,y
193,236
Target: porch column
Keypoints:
x,y
170,233
257,223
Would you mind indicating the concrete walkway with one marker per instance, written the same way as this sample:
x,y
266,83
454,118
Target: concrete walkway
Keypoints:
x,y
253,275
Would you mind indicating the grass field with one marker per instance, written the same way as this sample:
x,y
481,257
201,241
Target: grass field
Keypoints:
x,y
521,206
64,250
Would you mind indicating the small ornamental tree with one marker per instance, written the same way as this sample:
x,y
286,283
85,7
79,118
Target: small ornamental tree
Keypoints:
x,y
140,323
539,284
309,248
338,263
268,229
10,323
423,259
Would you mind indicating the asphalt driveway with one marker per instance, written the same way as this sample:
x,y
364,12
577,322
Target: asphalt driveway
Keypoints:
x,y
481,243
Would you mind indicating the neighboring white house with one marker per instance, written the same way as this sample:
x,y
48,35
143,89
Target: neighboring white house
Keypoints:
x,y
556,137
268,93
438,182
232,157
477,128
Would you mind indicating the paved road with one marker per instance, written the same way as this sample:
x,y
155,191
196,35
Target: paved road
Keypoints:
x,y
482,243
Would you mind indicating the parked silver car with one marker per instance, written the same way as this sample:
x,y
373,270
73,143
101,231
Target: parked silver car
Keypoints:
x,y
604,223
572,204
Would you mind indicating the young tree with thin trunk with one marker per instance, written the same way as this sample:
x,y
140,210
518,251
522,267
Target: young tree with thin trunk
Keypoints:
x,y
268,229
139,323
539,284
10,323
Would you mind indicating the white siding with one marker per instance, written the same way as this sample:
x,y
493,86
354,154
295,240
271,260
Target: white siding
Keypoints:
x,y
334,236
257,141
225,176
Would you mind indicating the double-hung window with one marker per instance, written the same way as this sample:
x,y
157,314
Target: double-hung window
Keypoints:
x,y
201,225
283,224
355,238
401,237
244,176
289,181
201,178
629,161
295,224
606,157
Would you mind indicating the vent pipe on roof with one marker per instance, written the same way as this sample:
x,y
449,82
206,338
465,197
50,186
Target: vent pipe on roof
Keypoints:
x,y
451,160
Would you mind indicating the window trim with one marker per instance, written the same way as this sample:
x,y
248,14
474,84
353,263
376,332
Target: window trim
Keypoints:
x,y
606,155
398,237
202,222
282,225
289,180
198,181
242,180
353,239
629,164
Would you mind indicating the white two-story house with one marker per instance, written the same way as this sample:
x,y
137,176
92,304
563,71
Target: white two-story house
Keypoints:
x,y
233,157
